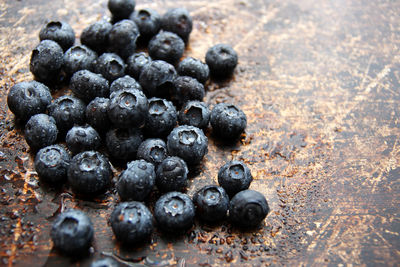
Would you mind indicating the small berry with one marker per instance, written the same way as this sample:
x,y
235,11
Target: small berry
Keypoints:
x,y
153,150
171,174
212,203
123,143
79,57
135,64
222,60
111,66
88,85
161,118
179,21
51,164
82,138
194,113
59,32
95,36
96,114
157,78
166,46
228,121
149,22
185,89
234,176
121,9
125,82
46,61
194,68
122,38
41,131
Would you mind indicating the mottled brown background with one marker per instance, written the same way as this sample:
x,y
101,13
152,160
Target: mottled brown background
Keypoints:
x,y
319,82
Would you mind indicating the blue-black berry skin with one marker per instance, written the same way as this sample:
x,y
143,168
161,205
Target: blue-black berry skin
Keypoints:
x,y
194,68
67,111
110,66
179,21
185,89
59,32
51,164
82,138
248,209
96,114
89,173
174,212
157,79
95,35
72,232
40,131
123,144
135,64
153,150
172,174
131,222
26,99
46,61
188,143
222,60
161,118
194,113
149,22
79,57
126,82
121,9
234,176
166,46
212,203
136,181
88,85
128,108
122,38
228,121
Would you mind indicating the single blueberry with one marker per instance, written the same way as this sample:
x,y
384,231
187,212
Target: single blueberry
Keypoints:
x,y
179,21
79,57
88,85
51,164
228,121
110,66
212,203
161,118
40,131
122,38
149,22
59,32
171,174
157,79
135,64
185,89
153,150
82,138
222,60
166,46
234,176
194,113
121,9
123,144
194,68
126,82
96,114
95,35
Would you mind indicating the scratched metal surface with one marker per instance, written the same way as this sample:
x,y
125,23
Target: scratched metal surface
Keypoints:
x,y
319,82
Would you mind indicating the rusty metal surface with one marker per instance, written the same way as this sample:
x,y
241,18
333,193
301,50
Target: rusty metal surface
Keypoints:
x,y
319,82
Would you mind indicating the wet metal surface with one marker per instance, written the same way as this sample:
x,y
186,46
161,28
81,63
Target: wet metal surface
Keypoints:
x,y
319,83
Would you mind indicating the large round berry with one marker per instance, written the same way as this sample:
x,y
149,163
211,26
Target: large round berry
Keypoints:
x,y
212,203
82,138
161,118
126,82
131,222
128,108
110,66
157,78
121,9
135,64
123,143
59,32
46,61
188,143
95,35
234,176
221,59
89,173
194,68
171,174
137,181
26,99
122,38
179,21
153,150
228,121
72,232
79,57
248,209
88,85
166,46
149,22
51,164
96,114
185,89
41,131
174,212
194,113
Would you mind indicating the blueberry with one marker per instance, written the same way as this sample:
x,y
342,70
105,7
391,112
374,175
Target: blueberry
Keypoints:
x,y
212,203
105,262
179,21
72,232
67,111
222,60
111,66
26,99
79,57
82,138
135,63
234,176
122,38
128,108
166,46
194,68
41,131
153,150
131,222
96,114
171,174
60,32
125,82
137,181
123,143
174,212
186,88
149,22
89,173
95,35
188,143
121,9
248,209
194,113
88,85
157,78
51,164
161,118
228,121
46,61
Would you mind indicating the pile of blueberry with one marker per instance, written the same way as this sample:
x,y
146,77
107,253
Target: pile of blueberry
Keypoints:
x,y
128,101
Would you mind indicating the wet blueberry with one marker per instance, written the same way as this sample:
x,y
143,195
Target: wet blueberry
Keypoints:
x,y
234,176
79,57
157,79
88,85
135,63
212,203
161,118
228,121
95,35
126,82
96,114
123,143
51,164
121,9
194,68
110,65
179,21
149,22
222,60
194,113
166,46
185,89
171,174
153,150
40,131
122,38
82,138
59,32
